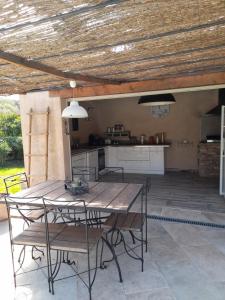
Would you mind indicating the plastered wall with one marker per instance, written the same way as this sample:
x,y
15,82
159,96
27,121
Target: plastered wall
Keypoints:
x,y
183,123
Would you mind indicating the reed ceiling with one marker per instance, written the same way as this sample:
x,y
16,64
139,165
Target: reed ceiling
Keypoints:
x,y
121,40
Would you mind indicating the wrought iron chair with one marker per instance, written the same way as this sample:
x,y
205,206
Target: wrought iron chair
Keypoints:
x,y
89,174
105,173
34,234
86,173
132,222
79,237
19,180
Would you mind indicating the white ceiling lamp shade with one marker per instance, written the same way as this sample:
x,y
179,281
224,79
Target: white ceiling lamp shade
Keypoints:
x,y
74,110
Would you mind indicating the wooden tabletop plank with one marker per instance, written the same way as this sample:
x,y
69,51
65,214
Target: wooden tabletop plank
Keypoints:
x,y
125,199
26,192
110,192
94,191
102,196
44,191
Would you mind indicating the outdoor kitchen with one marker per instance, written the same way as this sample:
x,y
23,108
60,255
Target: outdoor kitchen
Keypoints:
x,y
152,138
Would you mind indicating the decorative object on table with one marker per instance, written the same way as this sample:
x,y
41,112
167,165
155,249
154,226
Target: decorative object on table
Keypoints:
x,y
77,187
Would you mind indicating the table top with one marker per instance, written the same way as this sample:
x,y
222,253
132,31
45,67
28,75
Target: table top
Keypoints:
x,y
102,196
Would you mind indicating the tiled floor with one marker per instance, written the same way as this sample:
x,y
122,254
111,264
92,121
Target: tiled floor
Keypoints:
x,y
182,195
184,262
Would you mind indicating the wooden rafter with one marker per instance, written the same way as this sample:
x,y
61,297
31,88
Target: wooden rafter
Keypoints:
x,y
18,60
144,86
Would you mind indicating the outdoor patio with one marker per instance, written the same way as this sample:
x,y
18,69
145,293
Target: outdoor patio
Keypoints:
x,y
183,262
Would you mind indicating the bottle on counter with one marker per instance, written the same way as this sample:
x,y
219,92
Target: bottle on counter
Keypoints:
x,y
157,139
142,139
162,138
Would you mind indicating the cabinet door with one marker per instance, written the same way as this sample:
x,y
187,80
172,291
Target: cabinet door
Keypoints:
x,y
157,161
79,160
133,154
92,162
111,156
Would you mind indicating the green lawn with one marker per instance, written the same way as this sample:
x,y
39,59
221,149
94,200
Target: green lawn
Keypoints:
x,y
11,168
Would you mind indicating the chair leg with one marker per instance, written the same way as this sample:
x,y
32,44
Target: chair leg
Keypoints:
x,y
142,250
13,263
146,234
132,236
89,274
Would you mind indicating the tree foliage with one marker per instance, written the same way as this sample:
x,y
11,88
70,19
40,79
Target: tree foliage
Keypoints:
x,y
10,137
10,125
4,151
9,106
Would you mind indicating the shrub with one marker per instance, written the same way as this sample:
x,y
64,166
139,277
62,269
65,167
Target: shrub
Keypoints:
x,y
16,145
4,151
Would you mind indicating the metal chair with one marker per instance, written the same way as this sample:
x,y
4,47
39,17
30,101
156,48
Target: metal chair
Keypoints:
x,y
18,180
89,174
103,174
34,234
132,222
86,173
76,238
14,180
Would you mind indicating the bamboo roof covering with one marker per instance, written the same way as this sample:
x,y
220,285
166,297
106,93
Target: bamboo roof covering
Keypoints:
x,y
116,40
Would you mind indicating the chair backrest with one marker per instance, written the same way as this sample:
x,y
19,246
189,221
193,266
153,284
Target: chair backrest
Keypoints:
x,y
85,173
15,180
23,207
66,212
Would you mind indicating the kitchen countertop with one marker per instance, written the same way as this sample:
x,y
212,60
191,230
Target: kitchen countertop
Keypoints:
x,y
93,148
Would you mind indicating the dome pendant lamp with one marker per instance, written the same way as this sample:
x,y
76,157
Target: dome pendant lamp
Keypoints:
x,y
157,100
74,110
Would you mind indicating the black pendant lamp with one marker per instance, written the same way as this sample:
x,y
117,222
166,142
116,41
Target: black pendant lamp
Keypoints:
x,y
156,100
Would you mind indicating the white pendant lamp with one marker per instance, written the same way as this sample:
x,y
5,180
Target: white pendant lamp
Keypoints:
x,y
74,110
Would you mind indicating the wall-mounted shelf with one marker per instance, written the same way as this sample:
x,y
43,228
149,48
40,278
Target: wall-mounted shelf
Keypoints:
x,y
117,133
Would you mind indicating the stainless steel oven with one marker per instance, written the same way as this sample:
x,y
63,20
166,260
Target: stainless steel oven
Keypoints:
x,y
101,159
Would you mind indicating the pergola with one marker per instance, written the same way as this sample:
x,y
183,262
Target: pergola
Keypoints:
x,y
110,47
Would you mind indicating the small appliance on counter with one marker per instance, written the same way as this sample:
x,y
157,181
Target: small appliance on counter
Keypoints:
x,y
108,141
213,139
142,139
95,140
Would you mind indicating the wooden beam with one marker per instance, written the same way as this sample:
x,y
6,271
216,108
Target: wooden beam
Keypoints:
x,y
101,91
18,60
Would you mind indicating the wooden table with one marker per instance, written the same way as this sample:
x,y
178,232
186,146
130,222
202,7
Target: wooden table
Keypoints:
x,y
102,196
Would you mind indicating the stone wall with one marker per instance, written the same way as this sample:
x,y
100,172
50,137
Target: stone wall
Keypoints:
x,y
209,159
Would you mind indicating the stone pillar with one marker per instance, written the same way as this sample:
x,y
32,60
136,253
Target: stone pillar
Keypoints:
x,y
58,142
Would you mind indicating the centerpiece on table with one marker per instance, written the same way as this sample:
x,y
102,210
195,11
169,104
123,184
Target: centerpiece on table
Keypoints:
x,y
77,186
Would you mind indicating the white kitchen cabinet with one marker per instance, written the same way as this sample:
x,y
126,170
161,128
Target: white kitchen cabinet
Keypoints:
x,y
137,159
134,153
111,156
88,164
92,162
157,161
79,160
